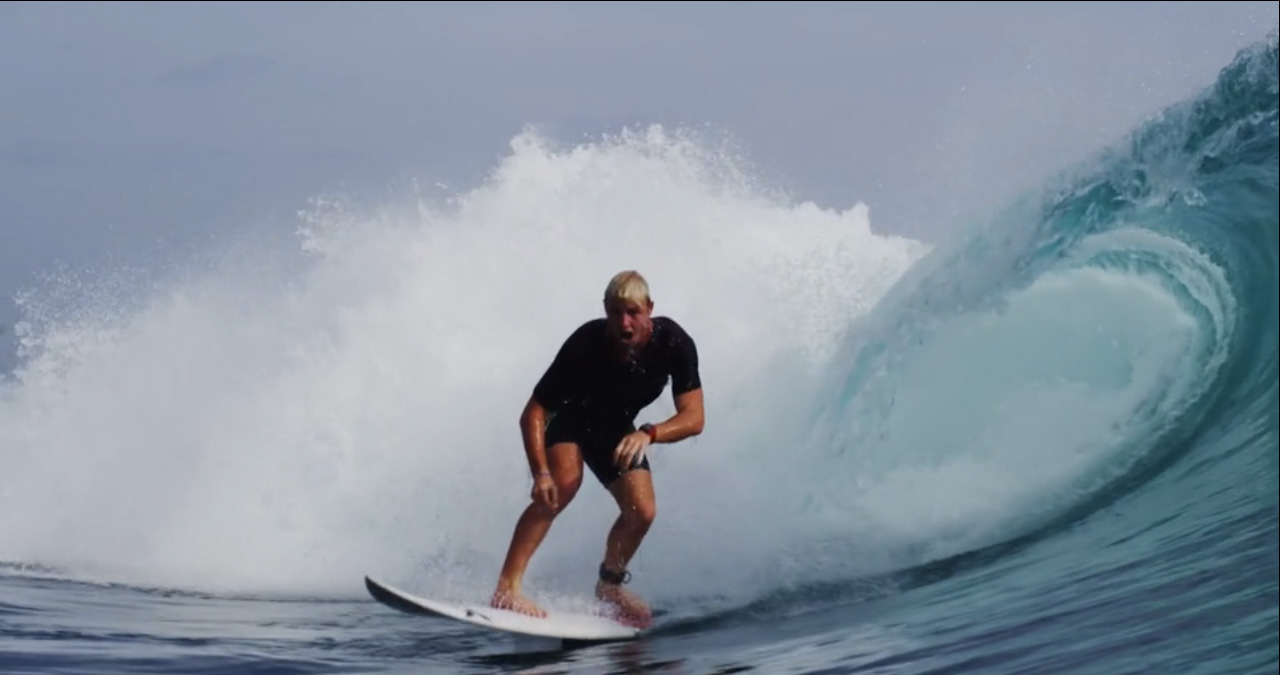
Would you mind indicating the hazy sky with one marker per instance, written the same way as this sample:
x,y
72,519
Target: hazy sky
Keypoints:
x,y
126,126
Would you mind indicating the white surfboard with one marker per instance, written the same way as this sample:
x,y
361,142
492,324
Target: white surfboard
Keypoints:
x,y
557,624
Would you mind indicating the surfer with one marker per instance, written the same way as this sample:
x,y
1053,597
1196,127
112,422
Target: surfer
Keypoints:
x,y
582,412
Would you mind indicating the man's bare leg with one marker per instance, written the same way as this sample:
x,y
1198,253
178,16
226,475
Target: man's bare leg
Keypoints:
x,y
638,507
565,463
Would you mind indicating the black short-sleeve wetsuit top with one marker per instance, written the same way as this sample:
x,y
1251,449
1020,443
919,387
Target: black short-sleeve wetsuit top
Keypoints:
x,y
594,396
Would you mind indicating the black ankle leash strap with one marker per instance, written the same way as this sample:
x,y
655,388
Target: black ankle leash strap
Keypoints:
x,y
609,576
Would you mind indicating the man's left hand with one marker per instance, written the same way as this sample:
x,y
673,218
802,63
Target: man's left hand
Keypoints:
x,y
631,449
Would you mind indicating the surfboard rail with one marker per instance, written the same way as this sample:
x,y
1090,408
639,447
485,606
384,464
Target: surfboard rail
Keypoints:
x,y
558,624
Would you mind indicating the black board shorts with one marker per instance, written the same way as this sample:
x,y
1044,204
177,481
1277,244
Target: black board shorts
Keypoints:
x,y
596,443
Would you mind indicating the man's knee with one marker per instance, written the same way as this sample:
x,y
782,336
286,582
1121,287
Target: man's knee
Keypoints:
x,y
642,513
634,494
565,492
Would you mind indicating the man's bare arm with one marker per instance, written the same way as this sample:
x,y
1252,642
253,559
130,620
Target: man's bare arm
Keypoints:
x,y
686,422
532,422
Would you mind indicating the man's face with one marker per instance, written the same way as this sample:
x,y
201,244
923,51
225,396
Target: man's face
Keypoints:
x,y
629,322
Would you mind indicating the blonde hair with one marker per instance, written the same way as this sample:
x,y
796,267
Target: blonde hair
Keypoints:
x,y
627,285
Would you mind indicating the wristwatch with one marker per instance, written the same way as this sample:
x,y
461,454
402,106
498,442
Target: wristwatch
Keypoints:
x,y
651,430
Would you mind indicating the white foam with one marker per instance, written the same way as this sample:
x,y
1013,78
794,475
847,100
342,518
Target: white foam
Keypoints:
x,y
290,420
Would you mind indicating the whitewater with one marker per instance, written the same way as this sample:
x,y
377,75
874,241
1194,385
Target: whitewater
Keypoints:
x,y
1045,444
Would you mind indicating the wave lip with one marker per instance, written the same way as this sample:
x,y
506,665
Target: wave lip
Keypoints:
x,y
1077,345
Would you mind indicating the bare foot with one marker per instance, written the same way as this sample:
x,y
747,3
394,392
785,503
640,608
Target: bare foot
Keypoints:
x,y
632,611
516,602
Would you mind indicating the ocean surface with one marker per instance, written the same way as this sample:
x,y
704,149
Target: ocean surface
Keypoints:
x,y
1046,445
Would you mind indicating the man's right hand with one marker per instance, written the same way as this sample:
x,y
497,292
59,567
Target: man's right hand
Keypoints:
x,y
544,492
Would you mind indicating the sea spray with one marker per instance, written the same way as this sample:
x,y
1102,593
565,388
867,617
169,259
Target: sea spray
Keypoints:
x,y
288,420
